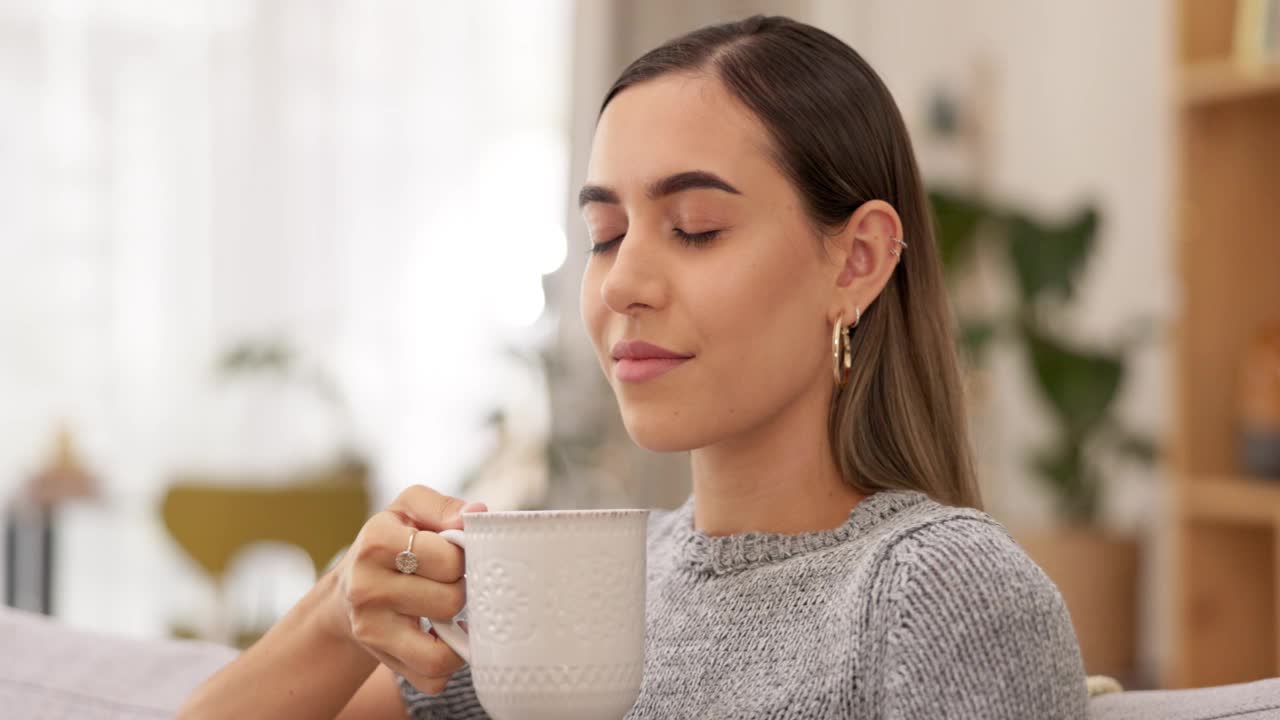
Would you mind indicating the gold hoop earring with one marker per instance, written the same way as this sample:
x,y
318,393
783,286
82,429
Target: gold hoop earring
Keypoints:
x,y
842,366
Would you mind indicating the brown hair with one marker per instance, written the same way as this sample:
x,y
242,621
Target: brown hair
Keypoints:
x,y
837,134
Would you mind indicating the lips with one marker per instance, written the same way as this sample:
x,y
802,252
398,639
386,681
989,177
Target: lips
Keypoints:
x,y
641,350
629,370
638,360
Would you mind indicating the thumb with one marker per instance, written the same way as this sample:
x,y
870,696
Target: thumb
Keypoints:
x,y
454,519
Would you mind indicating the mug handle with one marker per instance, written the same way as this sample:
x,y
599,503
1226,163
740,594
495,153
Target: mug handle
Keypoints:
x,y
449,630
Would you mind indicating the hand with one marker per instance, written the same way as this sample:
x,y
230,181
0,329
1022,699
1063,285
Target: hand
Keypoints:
x,y
379,607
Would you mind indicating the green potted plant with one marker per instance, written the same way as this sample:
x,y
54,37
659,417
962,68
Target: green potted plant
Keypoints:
x,y
1094,567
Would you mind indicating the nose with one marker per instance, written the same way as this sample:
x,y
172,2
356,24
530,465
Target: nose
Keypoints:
x,y
635,279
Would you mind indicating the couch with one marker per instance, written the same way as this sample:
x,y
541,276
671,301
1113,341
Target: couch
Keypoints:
x,y
49,671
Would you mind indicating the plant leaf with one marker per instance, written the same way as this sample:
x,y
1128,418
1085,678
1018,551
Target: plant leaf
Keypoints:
x,y
1138,447
975,338
1080,386
956,217
1075,488
1049,258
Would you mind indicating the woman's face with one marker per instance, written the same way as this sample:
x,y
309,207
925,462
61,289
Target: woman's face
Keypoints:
x,y
749,307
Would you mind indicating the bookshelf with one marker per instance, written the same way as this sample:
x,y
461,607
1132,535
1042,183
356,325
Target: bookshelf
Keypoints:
x,y
1223,81
1226,527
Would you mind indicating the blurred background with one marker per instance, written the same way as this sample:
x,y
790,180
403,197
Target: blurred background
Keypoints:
x,y
264,264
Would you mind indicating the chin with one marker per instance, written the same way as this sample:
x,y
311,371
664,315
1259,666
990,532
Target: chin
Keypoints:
x,y
659,433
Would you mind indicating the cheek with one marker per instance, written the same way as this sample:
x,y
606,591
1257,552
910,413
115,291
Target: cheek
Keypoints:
x,y
766,328
590,305
741,300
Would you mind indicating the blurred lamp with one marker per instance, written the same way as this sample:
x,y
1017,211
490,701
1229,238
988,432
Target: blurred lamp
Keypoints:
x,y
29,528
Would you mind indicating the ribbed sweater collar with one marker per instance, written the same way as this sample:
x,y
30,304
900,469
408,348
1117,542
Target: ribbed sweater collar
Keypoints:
x,y
723,554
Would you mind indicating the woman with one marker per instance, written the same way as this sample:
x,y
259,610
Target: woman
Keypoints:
x,y
758,222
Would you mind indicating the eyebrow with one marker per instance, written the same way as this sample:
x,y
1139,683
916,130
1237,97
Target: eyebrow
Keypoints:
x,y
670,185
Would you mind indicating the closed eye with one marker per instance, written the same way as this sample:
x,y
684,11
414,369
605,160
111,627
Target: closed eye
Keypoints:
x,y
597,248
690,239
701,238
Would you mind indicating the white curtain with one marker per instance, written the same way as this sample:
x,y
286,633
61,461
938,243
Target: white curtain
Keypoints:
x,y
383,184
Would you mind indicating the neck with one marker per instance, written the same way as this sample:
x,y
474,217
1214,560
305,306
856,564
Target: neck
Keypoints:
x,y
776,477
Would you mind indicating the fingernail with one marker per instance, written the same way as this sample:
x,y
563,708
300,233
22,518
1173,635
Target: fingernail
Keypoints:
x,y
474,507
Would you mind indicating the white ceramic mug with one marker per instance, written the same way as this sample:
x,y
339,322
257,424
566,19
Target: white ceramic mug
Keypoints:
x,y
555,611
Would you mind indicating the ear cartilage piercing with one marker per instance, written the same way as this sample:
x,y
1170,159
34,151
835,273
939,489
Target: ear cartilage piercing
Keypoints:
x,y
897,251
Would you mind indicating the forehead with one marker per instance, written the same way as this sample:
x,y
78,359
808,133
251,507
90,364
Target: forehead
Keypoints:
x,y
673,123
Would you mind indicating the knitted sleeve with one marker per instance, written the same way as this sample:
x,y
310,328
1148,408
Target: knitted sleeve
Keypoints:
x,y
457,702
975,629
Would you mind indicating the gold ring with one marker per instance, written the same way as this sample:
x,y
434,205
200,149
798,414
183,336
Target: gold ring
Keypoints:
x,y
407,562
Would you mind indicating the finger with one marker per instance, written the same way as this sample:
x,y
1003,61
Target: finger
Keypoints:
x,y
430,686
374,584
422,657
399,643
424,653
438,559
416,597
427,509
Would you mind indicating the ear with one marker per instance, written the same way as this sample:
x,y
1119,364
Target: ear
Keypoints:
x,y
866,256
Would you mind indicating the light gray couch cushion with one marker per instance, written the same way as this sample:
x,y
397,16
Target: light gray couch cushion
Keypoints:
x,y
1244,701
48,671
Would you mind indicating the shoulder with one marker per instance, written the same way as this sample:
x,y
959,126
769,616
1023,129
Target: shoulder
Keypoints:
x,y
956,598
956,563
928,545
976,562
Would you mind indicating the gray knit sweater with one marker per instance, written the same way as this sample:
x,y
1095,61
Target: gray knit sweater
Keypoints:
x,y
910,609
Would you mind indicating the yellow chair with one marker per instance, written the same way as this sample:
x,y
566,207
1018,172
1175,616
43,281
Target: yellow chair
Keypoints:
x,y
213,521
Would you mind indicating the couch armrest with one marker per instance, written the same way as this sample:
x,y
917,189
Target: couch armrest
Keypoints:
x,y
1259,700
48,670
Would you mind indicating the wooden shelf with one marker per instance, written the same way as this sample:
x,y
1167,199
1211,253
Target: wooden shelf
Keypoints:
x,y
1239,500
1225,591
1219,81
